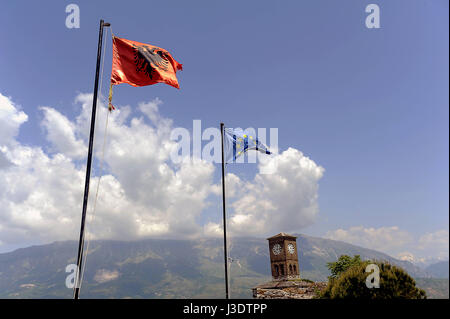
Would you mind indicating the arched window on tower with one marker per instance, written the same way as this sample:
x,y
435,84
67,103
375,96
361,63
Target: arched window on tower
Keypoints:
x,y
290,270
277,273
295,269
282,270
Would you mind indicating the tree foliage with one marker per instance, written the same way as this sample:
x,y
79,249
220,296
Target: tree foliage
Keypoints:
x,y
342,264
348,280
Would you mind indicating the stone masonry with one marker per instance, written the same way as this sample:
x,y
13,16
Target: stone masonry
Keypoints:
x,y
288,289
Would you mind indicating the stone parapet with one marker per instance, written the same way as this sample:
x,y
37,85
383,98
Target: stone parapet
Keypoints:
x,y
288,289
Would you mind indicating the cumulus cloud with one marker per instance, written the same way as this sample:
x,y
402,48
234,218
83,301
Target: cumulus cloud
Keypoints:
x,y
283,201
375,238
142,193
61,134
10,120
396,242
435,243
4,162
233,186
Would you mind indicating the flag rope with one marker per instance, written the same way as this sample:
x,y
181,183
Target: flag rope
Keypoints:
x,y
96,196
100,169
110,94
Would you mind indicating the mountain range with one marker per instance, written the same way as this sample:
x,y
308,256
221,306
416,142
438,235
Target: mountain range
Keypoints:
x,y
161,268
439,269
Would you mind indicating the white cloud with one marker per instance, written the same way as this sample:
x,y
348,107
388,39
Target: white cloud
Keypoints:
x,y
4,162
382,238
39,196
283,201
10,120
396,242
435,244
233,186
213,230
143,193
61,134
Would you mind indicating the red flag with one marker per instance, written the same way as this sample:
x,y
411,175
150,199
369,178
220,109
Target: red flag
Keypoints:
x,y
142,64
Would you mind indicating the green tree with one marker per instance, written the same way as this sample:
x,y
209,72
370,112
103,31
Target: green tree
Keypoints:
x,y
342,264
395,283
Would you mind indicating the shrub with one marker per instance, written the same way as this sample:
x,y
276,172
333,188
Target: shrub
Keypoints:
x,y
342,264
395,283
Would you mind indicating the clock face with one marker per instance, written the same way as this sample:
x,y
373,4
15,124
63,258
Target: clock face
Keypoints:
x,y
276,249
291,248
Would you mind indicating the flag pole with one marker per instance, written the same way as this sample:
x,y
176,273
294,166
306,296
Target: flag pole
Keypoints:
x,y
224,216
76,291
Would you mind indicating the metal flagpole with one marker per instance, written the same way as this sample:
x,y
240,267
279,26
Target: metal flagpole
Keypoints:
x,y
76,291
224,216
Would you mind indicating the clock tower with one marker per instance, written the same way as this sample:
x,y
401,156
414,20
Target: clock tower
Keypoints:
x,y
283,256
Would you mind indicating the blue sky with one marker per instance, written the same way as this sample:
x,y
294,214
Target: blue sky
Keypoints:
x,y
370,106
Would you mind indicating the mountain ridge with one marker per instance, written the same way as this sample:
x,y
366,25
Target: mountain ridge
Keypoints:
x,y
439,269
166,268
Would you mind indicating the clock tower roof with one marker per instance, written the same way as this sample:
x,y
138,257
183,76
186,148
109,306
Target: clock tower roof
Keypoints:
x,y
282,235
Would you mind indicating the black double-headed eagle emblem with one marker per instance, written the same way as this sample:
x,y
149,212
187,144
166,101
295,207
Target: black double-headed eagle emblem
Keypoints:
x,y
147,59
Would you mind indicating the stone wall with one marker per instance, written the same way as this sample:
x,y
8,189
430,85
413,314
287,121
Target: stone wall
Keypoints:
x,y
288,289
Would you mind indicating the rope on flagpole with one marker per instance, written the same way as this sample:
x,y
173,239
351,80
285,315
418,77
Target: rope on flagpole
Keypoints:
x,y
110,94
96,194
100,167
230,261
